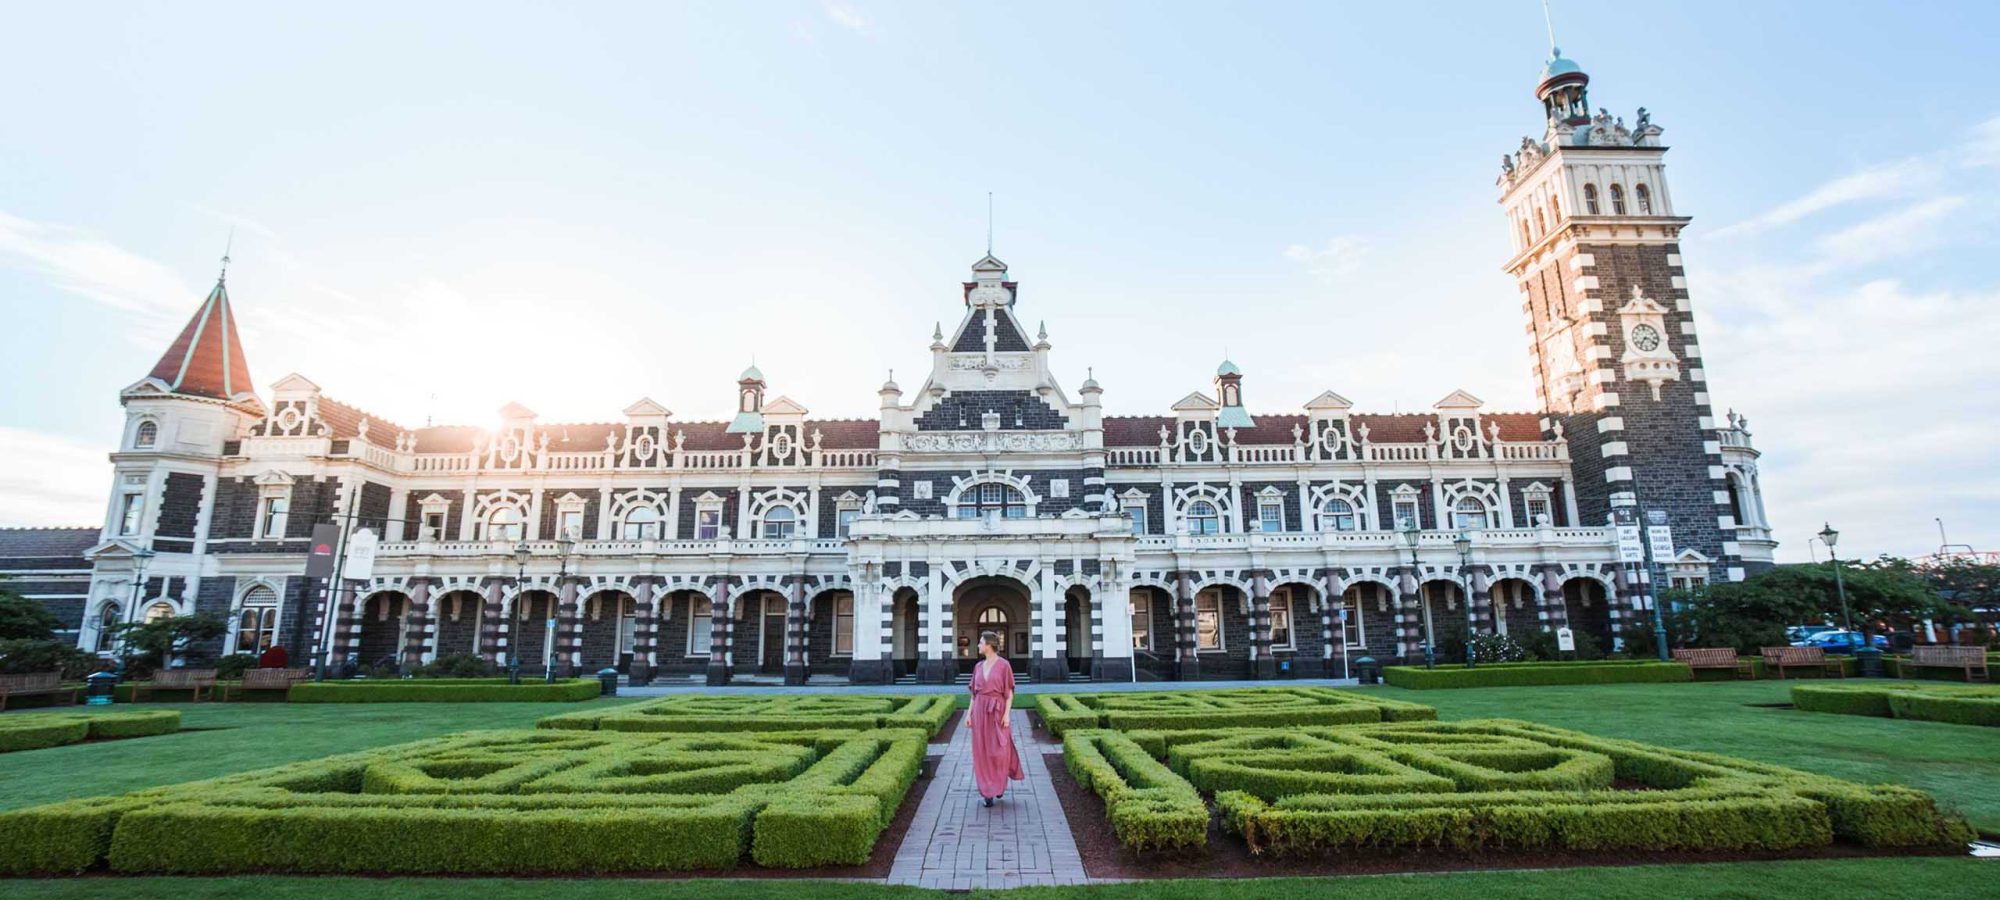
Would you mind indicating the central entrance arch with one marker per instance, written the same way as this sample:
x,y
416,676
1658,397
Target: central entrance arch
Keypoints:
x,y
995,604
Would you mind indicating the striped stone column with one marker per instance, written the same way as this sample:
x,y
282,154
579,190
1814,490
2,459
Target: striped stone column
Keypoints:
x,y
493,630
1261,663
645,631
1409,616
568,654
1550,611
419,626
346,623
1187,663
795,632
719,637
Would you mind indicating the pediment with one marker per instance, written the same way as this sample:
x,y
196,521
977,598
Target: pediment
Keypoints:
x,y
646,409
1691,556
1459,400
513,411
1197,402
784,406
295,384
1640,304
708,498
434,501
1329,401
274,478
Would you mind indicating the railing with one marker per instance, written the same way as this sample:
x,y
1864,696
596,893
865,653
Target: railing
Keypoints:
x,y
1375,540
1132,456
1398,452
534,461
847,459
539,549
1532,450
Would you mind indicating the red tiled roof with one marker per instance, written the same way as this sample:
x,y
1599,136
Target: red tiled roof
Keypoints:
x,y
207,360
345,423
835,434
1383,428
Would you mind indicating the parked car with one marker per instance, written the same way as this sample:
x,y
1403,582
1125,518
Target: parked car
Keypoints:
x,y
1797,633
1837,641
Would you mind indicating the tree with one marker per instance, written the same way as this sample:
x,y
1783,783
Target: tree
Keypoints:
x,y
1970,587
22,619
1751,614
160,640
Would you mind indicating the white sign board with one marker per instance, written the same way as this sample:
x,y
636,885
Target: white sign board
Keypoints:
x,y
1565,640
360,563
1629,548
1662,539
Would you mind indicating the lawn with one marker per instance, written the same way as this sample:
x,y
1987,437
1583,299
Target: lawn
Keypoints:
x,y
1929,878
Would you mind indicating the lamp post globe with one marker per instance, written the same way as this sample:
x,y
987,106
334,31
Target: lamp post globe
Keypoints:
x,y
1829,536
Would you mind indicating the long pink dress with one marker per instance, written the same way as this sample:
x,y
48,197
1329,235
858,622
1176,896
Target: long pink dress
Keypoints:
x,y
994,761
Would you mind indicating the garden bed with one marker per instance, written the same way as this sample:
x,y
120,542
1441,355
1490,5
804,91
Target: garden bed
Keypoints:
x,y
33,731
1536,673
1267,706
501,802
1954,704
444,690
740,712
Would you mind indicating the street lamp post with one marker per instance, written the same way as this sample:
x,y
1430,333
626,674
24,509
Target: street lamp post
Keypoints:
x,y
1464,544
1411,536
1828,536
562,575
140,558
521,553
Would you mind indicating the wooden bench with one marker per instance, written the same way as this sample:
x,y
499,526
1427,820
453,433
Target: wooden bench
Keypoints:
x,y
191,680
269,680
1715,658
34,684
1782,658
1948,656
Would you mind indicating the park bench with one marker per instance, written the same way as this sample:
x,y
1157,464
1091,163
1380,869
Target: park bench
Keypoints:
x,y
269,680
34,684
1948,656
1782,658
1715,658
192,680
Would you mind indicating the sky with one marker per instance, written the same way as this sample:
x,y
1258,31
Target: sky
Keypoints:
x,y
439,208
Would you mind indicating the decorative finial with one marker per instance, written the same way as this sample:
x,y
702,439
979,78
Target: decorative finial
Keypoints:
x,y
1549,21
1043,333
989,223
227,246
937,331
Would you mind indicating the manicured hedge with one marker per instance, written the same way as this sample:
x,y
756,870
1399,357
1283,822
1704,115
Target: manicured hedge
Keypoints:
x,y
1497,785
738,712
499,802
1955,704
32,731
1150,807
1542,673
444,690
1268,707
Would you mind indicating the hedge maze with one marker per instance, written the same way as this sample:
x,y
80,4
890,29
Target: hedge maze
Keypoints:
x,y
1267,707
33,731
711,713
1956,704
1476,785
500,802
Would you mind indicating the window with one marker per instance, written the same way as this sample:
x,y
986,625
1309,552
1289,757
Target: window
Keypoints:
x,y
433,525
1644,198
1541,225
1406,513
708,523
641,524
1617,200
1141,607
147,435
569,524
257,628
503,524
1208,620
1691,584
628,624
1538,508
843,521
1337,515
1281,619
1270,516
843,625
131,507
107,619
992,498
992,619
779,523
1137,510
1350,604
1590,198
701,626
1470,512
1202,518
1555,210
159,611
272,523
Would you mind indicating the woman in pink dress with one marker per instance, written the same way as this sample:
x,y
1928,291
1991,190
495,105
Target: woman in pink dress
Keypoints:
x,y
994,761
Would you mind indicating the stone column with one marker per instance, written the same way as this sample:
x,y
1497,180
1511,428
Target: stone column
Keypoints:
x,y
1618,607
1550,611
1262,665
568,645
1332,635
1111,606
1409,617
1046,608
492,621
419,627
645,632
1187,664
795,633
346,624
1481,613
873,632
935,661
719,637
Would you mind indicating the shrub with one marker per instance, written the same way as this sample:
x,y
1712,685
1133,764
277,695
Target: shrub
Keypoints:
x,y
458,665
721,712
1954,704
1518,674
1272,706
29,656
1495,648
1150,808
499,802
443,690
33,731
232,667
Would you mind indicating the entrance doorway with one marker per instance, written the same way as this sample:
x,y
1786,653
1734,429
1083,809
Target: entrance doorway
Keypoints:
x,y
771,643
1076,631
999,605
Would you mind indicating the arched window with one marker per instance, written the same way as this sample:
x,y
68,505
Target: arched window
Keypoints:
x,y
1590,198
1470,512
994,498
1338,515
147,435
843,625
1203,519
1526,237
701,626
992,615
257,626
503,524
641,524
1644,198
779,523
107,619
1555,210
159,611
1541,224
1617,200
1736,504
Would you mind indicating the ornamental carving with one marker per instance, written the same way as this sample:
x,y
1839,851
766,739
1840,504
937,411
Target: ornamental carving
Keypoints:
x,y
976,363
987,442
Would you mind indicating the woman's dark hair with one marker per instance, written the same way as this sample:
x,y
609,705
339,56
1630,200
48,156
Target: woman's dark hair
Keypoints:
x,y
990,639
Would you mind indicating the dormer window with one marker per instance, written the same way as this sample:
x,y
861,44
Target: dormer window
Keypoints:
x,y
147,435
1617,200
1590,198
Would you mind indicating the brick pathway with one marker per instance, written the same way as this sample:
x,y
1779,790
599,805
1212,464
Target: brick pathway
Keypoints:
x,y
956,844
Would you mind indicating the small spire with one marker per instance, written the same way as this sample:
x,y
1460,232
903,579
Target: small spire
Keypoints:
x,y
227,246
1549,21
989,223
1043,333
937,331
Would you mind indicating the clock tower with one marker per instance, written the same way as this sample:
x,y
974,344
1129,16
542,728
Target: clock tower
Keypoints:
x,y
1618,364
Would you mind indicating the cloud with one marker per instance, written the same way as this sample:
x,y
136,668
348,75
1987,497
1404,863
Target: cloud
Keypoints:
x,y
1895,179
846,16
76,261
1893,234
50,479
1340,257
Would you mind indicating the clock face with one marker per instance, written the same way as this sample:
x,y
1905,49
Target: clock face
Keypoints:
x,y
1646,338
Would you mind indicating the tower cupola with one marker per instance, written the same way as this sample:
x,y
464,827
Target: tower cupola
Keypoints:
x,y
1564,91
